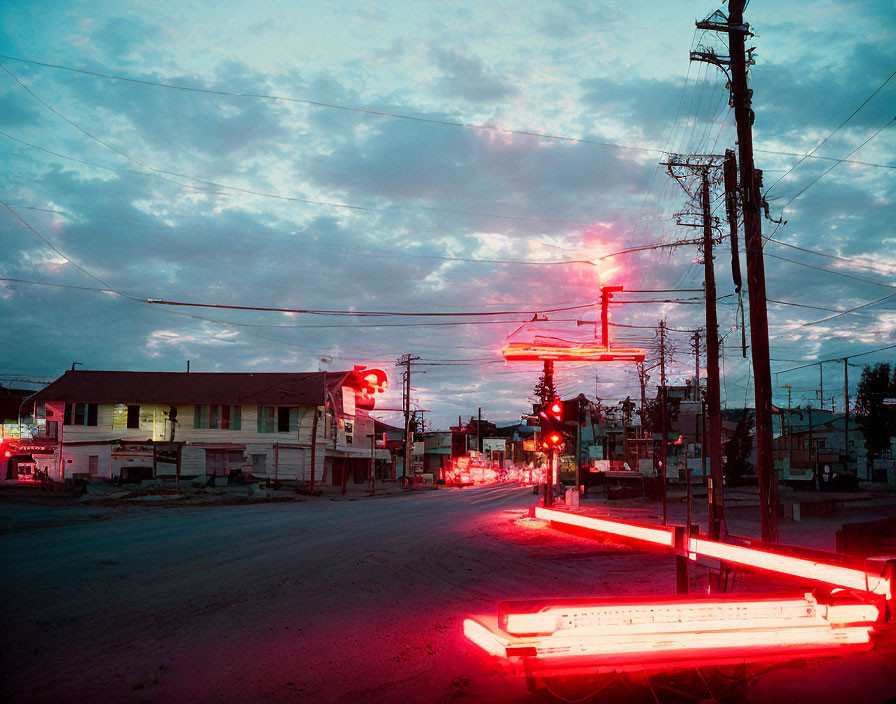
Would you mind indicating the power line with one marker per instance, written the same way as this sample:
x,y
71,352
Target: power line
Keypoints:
x,y
829,271
817,146
356,313
248,191
851,310
853,260
336,106
378,113
62,254
834,166
836,359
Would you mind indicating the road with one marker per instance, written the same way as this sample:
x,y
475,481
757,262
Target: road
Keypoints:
x,y
315,601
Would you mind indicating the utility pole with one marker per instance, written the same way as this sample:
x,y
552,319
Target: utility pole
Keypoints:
x,y
751,203
547,396
820,385
696,364
683,170
846,414
717,489
405,361
663,429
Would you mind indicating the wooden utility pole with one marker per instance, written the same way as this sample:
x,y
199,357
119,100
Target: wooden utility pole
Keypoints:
x,y
696,364
716,493
663,429
751,201
846,414
405,361
751,204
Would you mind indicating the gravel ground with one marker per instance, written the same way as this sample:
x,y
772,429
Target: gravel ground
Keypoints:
x,y
312,601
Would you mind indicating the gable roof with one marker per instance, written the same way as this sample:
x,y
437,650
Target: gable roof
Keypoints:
x,y
235,388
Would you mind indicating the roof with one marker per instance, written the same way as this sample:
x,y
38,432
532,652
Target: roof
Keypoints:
x,y
235,388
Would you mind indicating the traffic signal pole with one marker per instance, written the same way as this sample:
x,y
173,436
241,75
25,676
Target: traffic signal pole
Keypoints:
x,y
663,430
549,474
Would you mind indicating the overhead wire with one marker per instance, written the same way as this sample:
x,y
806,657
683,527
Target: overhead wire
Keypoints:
x,y
839,127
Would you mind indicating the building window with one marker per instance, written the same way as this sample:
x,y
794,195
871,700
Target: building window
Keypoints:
x,y
81,413
278,419
266,416
349,432
133,416
287,419
217,417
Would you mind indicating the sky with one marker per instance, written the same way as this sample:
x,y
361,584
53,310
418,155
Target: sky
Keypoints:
x,y
435,158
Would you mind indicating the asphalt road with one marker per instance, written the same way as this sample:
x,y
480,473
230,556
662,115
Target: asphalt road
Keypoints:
x,y
317,601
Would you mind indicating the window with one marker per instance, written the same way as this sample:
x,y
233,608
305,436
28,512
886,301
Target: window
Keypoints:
x,y
349,432
278,419
217,417
266,415
287,419
133,416
81,413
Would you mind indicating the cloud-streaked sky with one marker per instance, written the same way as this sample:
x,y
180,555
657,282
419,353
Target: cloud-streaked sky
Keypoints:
x,y
281,197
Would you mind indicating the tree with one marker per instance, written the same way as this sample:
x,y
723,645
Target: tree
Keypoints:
x,y
877,421
544,389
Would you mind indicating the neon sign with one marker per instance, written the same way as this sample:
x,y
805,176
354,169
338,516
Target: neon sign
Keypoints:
x,y
658,631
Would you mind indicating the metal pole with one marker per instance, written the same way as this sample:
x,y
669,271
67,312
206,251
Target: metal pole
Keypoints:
x,y
663,413
479,431
373,463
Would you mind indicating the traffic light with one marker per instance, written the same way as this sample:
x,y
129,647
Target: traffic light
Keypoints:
x,y
552,438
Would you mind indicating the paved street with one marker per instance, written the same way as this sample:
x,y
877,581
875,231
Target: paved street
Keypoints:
x,y
318,601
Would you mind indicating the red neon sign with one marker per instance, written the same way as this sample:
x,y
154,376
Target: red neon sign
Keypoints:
x,y
653,630
837,575
570,352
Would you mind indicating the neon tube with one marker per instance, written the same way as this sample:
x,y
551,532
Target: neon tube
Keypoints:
x,y
521,351
649,645
837,575
657,535
486,639
787,564
679,615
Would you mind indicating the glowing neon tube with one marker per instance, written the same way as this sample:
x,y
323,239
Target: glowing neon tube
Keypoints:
x,y
649,645
485,638
522,351
838,575
651,534
607,617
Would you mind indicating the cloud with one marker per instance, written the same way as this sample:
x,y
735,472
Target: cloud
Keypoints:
x,y
468,77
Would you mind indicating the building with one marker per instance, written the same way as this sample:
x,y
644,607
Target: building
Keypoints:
x,y
275,426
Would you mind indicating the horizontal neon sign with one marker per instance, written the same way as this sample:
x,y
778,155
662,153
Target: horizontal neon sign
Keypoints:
x,y
521,351
836,575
